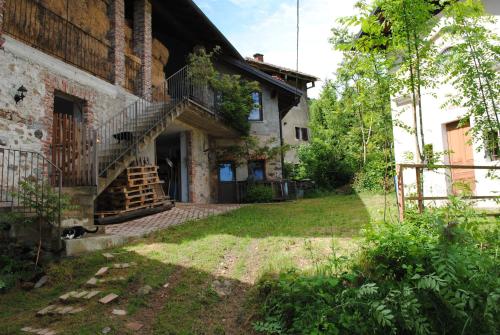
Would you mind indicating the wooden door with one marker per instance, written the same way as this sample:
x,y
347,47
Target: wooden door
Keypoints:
x,y
461,153
227,183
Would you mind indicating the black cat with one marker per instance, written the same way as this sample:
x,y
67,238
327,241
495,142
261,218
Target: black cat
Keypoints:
x,y
76,232
124,136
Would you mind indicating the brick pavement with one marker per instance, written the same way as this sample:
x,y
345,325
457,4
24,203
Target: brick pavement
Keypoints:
x,y
176,216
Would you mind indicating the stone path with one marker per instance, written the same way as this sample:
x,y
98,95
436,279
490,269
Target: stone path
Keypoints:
x,y
177,215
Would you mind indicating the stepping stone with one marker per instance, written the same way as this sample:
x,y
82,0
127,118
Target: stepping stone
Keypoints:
x,y
107,299
91,282
68,295
108,256
80,295
136,326
92,294
46,310
119,312
41,281
101,271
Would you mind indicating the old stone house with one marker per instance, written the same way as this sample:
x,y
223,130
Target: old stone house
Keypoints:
x,y
295,123
88,86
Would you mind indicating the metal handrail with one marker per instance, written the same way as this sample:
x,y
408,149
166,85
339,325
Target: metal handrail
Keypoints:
x,y
121,134
17,166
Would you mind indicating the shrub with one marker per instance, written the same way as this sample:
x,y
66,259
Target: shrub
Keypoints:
x,y
374,176
259,194
437,273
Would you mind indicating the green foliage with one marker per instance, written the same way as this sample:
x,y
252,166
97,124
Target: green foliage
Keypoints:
x,y
234,94
376,175
436,273
258,193
470,66
251,148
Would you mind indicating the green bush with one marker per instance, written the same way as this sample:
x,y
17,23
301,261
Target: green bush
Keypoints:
x,y
259,194
374,176
437,273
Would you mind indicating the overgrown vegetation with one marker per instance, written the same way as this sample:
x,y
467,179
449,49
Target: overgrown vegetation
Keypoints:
x,y
257,193
436,273
20,262
233,94
396,54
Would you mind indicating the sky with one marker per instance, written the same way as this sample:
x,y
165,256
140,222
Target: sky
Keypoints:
x,y
269,27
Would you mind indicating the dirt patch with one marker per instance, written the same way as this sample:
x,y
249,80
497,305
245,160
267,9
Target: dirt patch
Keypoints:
x,y
156,301
253,263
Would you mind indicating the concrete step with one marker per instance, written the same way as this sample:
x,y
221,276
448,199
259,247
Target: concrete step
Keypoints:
x,y
93,243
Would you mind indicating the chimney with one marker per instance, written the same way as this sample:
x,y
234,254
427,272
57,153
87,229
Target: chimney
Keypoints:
x,y
258,57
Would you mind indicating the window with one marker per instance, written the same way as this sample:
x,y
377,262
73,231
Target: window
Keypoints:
x,y
302,134
256,112
257,170
305,134
226,172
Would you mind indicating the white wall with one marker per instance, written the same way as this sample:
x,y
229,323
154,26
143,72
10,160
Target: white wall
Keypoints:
x,y
435,116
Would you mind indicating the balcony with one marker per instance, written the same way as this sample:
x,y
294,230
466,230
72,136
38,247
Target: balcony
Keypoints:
x,y
37,26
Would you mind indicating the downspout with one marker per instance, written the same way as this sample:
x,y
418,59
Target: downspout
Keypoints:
x,y
282,142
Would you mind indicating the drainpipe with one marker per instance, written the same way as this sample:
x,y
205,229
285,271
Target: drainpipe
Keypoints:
x,y
282,142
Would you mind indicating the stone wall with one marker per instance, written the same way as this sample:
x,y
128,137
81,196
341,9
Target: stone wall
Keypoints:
x,y
198,167
298,116
28,124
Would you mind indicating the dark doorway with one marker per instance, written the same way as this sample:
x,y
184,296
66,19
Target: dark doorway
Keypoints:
x,y
227,182
168,157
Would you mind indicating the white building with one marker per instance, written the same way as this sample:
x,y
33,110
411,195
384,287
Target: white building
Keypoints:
x,y
441,131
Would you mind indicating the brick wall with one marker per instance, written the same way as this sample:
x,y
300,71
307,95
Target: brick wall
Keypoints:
x,y
117,38
143,43
2,8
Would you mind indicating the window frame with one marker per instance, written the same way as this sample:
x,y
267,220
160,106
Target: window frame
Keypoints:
x,y
300,132
233,168
261,109
251,175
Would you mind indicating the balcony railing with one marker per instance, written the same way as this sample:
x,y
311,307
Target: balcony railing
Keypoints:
x,y
133,75
32,23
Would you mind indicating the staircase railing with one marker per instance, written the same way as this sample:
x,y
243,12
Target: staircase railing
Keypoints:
x,y
44,191
121,134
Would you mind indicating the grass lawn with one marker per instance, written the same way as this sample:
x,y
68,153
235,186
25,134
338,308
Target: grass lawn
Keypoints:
x,y
210,266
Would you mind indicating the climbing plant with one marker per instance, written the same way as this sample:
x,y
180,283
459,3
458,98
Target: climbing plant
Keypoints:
x,y
233,93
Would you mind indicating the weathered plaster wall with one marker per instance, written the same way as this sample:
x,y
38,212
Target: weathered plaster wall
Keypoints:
x,y
297,117
436,117
28,125
268,130
198,167
265,131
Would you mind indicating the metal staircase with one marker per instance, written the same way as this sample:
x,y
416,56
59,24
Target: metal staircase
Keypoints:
x,y
120,138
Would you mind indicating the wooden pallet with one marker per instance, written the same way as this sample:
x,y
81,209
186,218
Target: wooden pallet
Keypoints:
x,y
137,188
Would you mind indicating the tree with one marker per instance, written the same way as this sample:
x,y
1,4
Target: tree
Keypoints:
x,y
470,66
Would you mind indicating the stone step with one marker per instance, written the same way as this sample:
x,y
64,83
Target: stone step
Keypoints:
x,y
93,243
